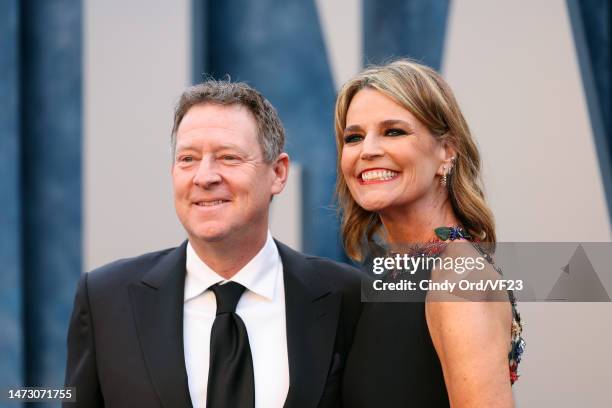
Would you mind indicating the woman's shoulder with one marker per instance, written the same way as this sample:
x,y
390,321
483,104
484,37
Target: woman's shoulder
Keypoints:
x,y
480,312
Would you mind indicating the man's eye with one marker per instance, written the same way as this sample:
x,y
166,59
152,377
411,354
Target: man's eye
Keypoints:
x,y
229,157
352,138
395,132
185,159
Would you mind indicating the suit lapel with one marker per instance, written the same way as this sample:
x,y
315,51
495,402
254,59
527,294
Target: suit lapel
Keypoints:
x,y
158,311
312,310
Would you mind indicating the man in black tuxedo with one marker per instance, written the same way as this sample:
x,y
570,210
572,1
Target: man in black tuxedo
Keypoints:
x,y
230,318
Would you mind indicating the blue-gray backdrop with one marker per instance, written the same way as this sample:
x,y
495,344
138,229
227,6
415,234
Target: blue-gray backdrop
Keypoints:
x,y
276,46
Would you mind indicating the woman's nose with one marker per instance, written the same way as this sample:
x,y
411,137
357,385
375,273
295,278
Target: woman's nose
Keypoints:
x,y
371,147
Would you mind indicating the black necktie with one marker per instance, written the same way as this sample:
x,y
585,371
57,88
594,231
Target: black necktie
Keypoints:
x,y
230,374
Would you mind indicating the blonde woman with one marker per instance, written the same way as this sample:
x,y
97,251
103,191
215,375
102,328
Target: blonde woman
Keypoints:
x,y
408,172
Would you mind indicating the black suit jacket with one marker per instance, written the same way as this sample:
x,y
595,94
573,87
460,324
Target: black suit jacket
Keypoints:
x,y
125,341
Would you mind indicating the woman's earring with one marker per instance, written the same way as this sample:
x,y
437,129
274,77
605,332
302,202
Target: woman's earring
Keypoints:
x,y
444,179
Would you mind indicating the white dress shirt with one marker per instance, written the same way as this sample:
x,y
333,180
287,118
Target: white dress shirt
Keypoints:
x,y
261,307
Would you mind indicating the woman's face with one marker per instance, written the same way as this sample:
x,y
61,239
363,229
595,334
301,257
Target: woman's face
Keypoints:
x,y
389,158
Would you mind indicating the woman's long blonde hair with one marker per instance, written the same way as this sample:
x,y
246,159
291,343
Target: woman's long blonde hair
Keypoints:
x,y
424,93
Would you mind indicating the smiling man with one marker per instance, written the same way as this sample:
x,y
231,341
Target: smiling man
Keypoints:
x,y
230,318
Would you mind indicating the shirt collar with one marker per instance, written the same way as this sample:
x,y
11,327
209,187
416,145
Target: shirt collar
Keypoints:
x,y
258,276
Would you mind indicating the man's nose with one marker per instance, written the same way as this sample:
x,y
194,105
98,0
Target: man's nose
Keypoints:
x,y
207,174
371,147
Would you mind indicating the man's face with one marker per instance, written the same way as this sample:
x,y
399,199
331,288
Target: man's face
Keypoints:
x,y
222,186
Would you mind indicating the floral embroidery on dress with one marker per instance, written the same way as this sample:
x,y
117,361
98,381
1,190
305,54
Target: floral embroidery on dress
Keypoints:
x,y
517,342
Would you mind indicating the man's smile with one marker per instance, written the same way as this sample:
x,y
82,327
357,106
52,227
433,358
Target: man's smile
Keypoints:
x,y
210,203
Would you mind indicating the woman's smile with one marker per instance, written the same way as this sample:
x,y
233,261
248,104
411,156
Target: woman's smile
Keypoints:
x,y
377,175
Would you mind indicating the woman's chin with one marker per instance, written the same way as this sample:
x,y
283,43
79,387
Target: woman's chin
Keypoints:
x,y
373,206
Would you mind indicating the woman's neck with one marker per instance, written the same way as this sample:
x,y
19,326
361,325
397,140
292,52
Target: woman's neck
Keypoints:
x,y
416,223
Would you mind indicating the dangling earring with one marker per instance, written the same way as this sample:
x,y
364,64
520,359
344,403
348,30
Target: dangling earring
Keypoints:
x,y
444,180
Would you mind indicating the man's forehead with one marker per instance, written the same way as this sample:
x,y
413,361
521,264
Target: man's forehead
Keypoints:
x,y
211,115
215,119
195,143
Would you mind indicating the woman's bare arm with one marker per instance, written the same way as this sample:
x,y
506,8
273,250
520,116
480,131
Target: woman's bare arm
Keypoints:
x,y
472,341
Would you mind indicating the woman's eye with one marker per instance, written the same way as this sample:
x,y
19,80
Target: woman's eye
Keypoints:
x,y
352,138
394,132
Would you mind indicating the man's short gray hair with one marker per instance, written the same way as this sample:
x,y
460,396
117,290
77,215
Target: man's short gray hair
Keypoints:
x,y
270,131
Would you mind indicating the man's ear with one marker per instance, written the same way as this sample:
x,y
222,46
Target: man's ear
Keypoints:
x,y
448,153
281,172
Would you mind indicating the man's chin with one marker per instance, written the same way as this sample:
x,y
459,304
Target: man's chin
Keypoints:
x,y
208,236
